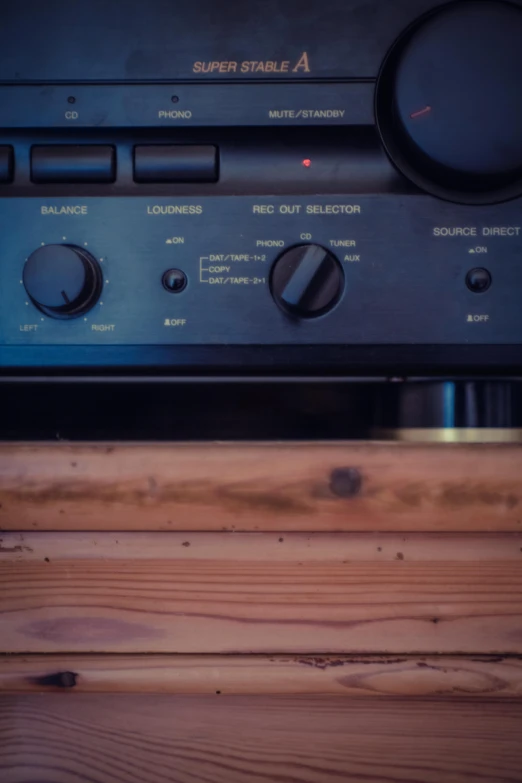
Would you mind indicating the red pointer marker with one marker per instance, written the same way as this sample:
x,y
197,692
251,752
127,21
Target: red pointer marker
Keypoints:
x,y
420,113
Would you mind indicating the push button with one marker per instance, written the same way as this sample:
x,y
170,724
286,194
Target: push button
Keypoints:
x,y
73,163
175,281
175,163
479,281
6,164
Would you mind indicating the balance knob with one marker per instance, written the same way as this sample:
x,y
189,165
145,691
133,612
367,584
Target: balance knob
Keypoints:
x,y
63,281
307,281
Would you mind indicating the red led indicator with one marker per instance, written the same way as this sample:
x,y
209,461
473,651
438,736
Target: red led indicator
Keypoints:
x,y
307,163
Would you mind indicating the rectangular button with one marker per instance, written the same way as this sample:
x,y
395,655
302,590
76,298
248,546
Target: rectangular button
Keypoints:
x,y
175,163
6,164
73,163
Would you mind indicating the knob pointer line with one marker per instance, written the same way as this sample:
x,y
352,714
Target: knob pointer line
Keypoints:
x,y
421,113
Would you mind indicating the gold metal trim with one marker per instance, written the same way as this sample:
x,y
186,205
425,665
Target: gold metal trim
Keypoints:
x,y
472,435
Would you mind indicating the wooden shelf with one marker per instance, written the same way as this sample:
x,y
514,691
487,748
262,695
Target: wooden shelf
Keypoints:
x,y
270,487
244,739
475,677
248,613
261,593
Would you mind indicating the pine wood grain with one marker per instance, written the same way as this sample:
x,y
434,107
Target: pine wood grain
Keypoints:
x,y
259,547
261,593
271,487
347,676
220,739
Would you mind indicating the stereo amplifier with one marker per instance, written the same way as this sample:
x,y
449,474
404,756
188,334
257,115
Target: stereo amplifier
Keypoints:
x,y
276,187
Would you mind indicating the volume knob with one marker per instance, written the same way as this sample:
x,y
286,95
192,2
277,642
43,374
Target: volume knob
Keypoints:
x,y
63,281
449,103
307,281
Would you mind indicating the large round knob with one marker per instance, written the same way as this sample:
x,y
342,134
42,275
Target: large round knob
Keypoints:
x,y
449,102
307,281
63,281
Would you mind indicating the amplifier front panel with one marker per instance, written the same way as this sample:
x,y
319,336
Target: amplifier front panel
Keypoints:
x,y
404,263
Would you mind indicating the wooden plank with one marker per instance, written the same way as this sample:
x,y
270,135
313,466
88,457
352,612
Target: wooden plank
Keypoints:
x,y
477,677
242,739
261,593
299,487
262,547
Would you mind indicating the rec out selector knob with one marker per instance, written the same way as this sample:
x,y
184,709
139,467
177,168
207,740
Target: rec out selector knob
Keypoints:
x,y
307,281
63,281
